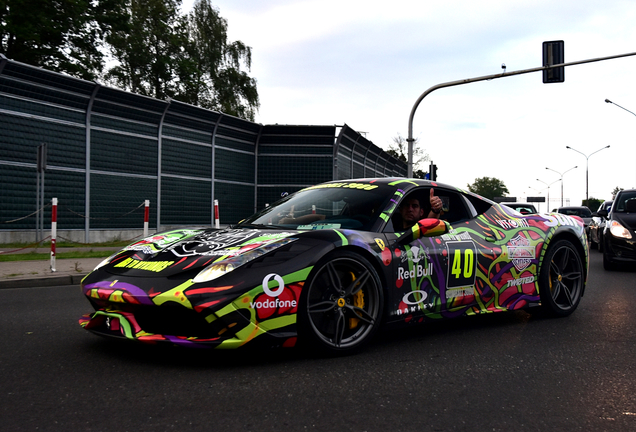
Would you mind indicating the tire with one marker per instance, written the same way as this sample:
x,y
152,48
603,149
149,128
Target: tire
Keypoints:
x,y
608,264
562,279
341,305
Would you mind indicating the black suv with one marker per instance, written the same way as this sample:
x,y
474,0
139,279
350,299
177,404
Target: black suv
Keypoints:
x,y
619,238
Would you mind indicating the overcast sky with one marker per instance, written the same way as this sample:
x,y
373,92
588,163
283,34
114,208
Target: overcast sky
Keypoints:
x,y
365,63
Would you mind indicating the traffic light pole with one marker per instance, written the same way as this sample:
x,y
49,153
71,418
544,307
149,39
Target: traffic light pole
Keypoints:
x,y
505,74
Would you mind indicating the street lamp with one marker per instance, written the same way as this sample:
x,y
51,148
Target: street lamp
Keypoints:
x,y
587,168
548,187
609,101
561,174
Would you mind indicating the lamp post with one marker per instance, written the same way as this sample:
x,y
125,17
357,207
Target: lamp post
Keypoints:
x,y
609,101
587,168
548,187
561,174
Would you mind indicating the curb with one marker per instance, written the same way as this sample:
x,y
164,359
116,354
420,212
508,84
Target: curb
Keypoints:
x,y
43,281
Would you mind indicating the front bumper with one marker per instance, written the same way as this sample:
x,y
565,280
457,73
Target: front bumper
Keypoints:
x,y
620,249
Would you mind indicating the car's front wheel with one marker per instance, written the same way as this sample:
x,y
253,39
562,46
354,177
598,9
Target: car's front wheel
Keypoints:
x,y
562,279
341,305
608,263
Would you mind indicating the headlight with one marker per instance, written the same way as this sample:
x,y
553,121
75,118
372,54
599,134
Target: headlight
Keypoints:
x,y
619,230
220,268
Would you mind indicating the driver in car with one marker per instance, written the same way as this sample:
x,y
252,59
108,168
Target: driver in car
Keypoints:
x,y
412,211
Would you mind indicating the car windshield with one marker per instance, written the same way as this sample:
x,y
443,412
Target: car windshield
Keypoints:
x,y
582,212
523,208
607,205
625,202
324,207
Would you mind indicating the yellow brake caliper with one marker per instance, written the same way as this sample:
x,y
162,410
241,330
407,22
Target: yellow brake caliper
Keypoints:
x,y
358,301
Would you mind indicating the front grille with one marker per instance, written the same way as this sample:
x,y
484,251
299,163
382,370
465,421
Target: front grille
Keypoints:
x,y
176,320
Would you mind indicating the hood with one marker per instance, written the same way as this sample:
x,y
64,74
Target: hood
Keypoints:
x,y
174,252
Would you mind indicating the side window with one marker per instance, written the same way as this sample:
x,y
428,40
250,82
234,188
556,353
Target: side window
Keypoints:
x,y
455,208
479,206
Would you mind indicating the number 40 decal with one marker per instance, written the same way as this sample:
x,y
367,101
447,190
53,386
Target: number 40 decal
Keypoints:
x,y
462,264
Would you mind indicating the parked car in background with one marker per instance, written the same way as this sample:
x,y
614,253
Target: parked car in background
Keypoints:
x,y
581,211
523,208
619,238
597,225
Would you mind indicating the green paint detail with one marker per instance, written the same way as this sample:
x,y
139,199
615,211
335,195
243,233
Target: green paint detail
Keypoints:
x,y
252,331
175,295
269,237
345,242
397,182
278,322
211,318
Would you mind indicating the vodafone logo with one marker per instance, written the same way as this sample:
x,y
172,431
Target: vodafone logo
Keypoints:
x,y
277,291
264,304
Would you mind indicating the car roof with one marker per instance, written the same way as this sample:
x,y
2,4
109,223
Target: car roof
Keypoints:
x,y
408,183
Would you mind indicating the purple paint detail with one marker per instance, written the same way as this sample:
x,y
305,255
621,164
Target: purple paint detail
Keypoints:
x,y
140,295
186,343
504,269
513,300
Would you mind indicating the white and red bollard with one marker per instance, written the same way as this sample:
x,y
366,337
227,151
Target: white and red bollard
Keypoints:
x,y
217,221
53,231
146,216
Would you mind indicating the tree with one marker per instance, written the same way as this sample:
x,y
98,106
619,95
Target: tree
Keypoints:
x,y
64,35
227,88
152,49
616,191
489,187
592,203
399,150
146,48
188,58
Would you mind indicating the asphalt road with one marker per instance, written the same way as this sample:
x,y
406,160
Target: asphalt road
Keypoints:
x,y
501,372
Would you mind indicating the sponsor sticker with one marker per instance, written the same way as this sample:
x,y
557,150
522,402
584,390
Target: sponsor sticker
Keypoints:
x,y
521,252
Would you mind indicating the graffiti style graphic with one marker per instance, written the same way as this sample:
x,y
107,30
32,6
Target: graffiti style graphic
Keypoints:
x,y
326,266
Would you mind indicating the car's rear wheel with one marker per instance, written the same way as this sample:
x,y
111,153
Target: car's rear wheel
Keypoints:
x,y
341,305
562,279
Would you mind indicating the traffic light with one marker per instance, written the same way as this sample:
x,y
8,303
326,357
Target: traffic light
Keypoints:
x,y
553,53
432,170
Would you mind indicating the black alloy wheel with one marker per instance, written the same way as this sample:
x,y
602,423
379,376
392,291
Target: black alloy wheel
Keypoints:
x,y
341,305
562,279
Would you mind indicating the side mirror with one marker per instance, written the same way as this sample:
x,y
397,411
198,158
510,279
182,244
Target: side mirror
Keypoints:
x,y
602,213
424,228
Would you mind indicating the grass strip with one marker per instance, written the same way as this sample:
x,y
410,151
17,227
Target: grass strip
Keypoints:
x,y
47,256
